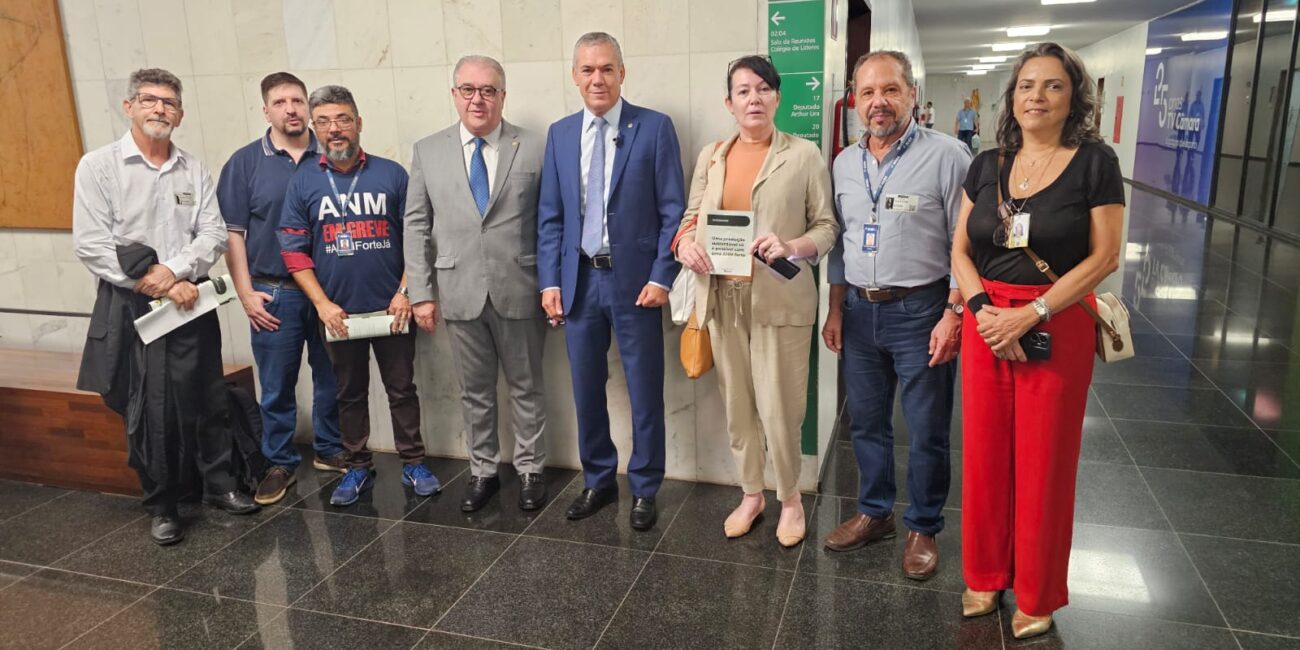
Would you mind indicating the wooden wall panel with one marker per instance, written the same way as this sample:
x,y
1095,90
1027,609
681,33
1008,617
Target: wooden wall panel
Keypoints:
x,y
40,137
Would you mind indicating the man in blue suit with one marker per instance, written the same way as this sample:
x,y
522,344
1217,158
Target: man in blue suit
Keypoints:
x,y
611,200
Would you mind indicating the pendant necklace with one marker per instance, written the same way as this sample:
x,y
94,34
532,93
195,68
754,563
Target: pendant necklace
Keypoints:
x,y
1024,183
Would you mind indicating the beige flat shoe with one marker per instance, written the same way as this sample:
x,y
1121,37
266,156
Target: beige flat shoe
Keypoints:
x,y
789,536
1024,626
978,603
737,525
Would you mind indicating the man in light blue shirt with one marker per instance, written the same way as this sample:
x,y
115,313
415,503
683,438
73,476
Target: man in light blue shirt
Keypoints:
x,y
968,122
895,313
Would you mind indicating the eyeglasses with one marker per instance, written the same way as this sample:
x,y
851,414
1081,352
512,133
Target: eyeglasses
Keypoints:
x,y
1006,214
345,122
149,101
487,92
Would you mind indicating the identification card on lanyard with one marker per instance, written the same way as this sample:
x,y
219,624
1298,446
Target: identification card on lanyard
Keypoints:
x,y
871,230
343,244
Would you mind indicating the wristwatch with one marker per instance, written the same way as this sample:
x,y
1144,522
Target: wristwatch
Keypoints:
x,y
957,308
404,291
1041,308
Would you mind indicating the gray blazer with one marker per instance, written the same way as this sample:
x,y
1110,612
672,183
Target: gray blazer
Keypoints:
x,y
458,258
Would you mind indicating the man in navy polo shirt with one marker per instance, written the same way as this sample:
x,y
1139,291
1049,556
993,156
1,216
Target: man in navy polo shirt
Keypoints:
x,y
341,239
251,194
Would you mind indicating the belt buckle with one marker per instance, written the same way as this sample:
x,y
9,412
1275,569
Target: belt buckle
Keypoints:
x,y
602,262
880,295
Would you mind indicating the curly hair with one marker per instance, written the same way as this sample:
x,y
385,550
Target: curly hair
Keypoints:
x,y
1080,125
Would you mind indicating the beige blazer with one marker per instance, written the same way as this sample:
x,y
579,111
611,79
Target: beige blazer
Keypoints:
x,y
791,198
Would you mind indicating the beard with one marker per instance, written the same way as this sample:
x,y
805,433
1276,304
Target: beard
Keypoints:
x,y
886,130
294,131
341,155
156,130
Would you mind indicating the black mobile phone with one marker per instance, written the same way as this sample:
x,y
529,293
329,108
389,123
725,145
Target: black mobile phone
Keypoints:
x,y
1037,345
780,265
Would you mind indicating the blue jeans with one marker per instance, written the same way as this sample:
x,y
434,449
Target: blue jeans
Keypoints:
x,y
886,345
279,356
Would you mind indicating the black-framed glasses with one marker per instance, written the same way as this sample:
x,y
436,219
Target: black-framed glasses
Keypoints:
x,y
1006,214
150,101
467,91
344,122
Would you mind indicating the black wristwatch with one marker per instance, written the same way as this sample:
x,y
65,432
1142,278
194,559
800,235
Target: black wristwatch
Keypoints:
x,y
957,308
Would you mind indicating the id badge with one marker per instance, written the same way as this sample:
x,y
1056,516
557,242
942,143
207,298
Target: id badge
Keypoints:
x,y
343,244
1019,235
902,203
871,238
184,198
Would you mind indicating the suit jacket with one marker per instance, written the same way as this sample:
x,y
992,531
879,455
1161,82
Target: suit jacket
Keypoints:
x,y
455,255
791,199
646,199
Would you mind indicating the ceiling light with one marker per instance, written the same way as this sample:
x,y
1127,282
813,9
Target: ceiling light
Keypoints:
x,y
993,59
1028,30
976,73
1066,2
1152,51
1205,36
983,66
1276,16
1008,47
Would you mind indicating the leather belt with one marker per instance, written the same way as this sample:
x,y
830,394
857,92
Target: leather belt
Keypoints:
x,y
280,283
895,293
598,261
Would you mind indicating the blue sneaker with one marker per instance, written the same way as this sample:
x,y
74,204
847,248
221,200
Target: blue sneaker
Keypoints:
x,y
356,481
419,478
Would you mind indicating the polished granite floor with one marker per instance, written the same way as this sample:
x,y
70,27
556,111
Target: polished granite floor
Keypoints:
x,y
1187,535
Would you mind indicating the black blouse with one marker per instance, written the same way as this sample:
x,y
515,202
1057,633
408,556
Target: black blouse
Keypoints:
x,y
1060,217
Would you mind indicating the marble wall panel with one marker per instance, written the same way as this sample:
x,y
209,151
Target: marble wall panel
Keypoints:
x,y
656,27
81,37
577,17
377,104
259,30
121,43
416,29
220,99
535,95
655,82
166,39
93,112
8,258
424,105
212,36
472,27
364,41
310,35
531,30
725,26
710,119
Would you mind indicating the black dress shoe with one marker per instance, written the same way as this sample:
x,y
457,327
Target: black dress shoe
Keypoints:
x,y
532,491
166,530
477,493
234,502
643,513
591,501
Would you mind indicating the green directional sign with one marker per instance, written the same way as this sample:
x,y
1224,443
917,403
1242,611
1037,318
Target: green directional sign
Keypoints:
x,y
795,35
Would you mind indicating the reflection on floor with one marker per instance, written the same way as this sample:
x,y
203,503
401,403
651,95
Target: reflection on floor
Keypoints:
x,y
1188,532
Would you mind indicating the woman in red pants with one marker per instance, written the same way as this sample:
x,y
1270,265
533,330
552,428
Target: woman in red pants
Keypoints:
x,y
1055,188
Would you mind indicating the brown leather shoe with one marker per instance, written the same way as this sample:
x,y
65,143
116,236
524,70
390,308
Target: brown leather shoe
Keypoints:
x,y
920,556
860,530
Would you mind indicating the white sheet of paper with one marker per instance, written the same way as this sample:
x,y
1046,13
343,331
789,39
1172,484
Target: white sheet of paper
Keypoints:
x,y
728,234
164,316
367,326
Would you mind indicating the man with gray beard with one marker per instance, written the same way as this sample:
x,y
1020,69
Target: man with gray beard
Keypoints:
x,y
145,223
895,312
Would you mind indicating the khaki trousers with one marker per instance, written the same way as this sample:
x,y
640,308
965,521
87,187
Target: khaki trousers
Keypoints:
x,y
763,373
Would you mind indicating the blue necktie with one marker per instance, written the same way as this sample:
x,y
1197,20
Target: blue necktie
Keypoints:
x,y
478,177
593,224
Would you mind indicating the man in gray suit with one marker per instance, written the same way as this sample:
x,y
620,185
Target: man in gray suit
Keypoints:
x,y
471,260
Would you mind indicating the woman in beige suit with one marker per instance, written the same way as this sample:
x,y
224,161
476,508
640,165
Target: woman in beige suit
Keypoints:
x,y
760,323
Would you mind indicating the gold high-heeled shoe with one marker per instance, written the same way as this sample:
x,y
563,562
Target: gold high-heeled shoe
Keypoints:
x,y
978,603
1024,626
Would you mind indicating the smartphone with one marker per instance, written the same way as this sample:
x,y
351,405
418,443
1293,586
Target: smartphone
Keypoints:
x,y
780,265
1037,345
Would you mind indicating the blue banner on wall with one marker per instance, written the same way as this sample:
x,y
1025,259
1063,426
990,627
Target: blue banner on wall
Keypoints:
x,y
1182,95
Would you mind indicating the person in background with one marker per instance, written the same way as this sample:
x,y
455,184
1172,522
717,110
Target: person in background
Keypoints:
x,y
145,223
1022,419
483,279
760,323
251,194
967,123
927,115
344,248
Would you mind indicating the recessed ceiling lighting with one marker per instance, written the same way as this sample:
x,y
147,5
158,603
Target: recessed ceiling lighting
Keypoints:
x,y
1008,47
1205,36
993,59
1066,2
1276,16
983,66
1028,30
1152,51
976,73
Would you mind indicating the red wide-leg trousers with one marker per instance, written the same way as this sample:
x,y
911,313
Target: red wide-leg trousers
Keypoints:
x,y
1022,423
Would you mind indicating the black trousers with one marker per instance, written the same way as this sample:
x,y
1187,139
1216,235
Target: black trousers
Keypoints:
x,y
395,356
177,420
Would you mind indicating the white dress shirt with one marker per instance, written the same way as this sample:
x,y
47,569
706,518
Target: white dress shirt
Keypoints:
x,y
491,151
121,198
588,143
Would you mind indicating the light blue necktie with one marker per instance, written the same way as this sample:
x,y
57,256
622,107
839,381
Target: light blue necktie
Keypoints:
x,y
478,177
593,225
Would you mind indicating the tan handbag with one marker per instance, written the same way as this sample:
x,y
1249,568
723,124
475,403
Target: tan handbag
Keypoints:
x,y
697,350
1114,331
